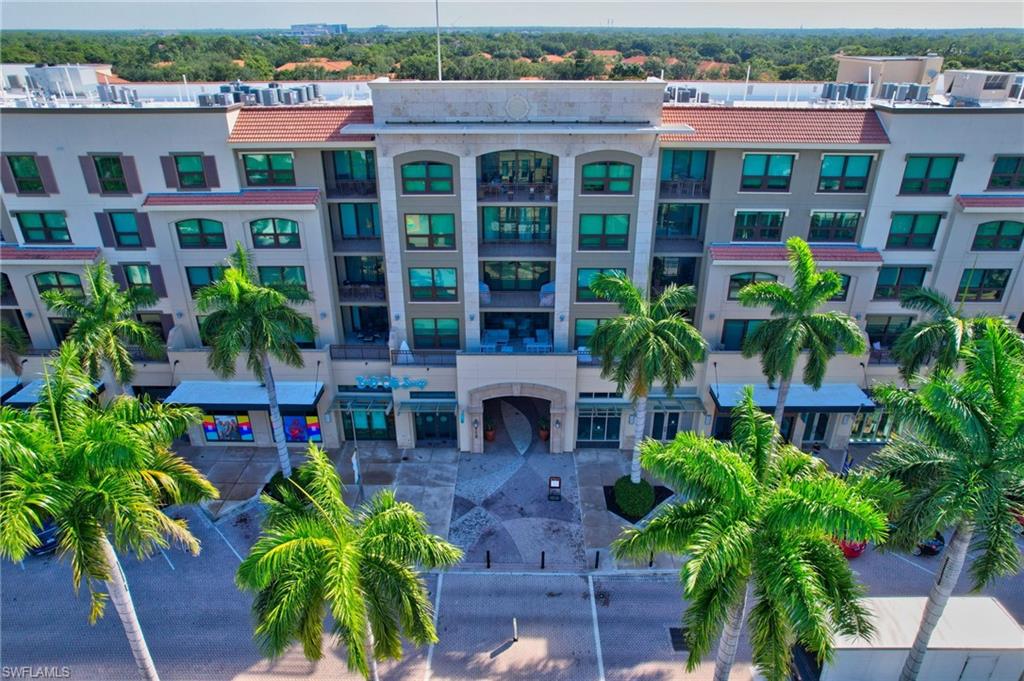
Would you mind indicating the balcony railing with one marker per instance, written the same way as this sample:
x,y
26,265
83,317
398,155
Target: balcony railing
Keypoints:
x,y
671,243
499,248
512,192
375,352
881,356
347,189
435,358
685,188
517,299
367,244
363,293
158,357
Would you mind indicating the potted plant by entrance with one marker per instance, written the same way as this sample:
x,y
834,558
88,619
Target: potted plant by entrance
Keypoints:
x,y
543,429
489,431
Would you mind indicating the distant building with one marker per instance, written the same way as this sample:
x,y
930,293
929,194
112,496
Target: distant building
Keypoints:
x,y
878,70
307,33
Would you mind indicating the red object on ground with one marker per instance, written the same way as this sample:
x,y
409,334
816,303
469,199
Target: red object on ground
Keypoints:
x,y
852,549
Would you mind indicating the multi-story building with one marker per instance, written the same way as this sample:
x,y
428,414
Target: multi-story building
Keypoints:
x,y
449,232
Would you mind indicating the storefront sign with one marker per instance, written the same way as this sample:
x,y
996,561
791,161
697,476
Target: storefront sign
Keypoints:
x,y
391,382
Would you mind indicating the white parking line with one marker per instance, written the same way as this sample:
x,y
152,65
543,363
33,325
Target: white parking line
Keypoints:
x,y
166,557
597,632
217,530
910,562
437,612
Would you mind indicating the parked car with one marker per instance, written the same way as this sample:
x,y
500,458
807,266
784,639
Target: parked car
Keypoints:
x,y
931,547
48,537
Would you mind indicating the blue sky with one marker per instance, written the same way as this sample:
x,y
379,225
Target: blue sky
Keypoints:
x,y
175,14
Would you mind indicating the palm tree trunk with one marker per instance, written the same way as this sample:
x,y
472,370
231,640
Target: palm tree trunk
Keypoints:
x,y
942,589
639,428
730,640
117,587
780,402
374,674
276,422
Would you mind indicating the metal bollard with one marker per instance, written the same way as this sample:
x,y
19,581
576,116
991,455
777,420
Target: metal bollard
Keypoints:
x,y
515,630
650,563
597,560
488,559
541,560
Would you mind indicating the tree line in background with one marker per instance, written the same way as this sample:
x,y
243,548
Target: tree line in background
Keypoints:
x,y
471,55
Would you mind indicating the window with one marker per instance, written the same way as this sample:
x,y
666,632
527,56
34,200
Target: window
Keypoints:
x,y
433,283
735,331
61,328
126,230
516,223
517,167
44,228
883,330
200,233
758,225
368,269
359,220
894,281
672,270
607,177
678,220
844,291
598,428
604,232
999,235
766,172
1007,173
7,296
425,177
844,173
198,277
996,81
227,428
913,230
677,164
585,275
355,164
138,277
269,169
425,232
26,174
435,333
190,171
282,274
275,233
110,172
585,329
983,286
833,226
516,276
872,427
738,281
928,174
302,427
65,282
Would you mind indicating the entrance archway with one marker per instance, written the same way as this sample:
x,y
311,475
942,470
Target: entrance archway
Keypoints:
x,y
555,398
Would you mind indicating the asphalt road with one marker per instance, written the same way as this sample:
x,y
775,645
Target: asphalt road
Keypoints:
x,y
198,625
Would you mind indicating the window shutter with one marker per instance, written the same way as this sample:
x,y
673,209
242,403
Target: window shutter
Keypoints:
x,y
145,230
210,170
92,180
166,324
170,171
106,230
156,276
117,272
46,175
7,177
131,175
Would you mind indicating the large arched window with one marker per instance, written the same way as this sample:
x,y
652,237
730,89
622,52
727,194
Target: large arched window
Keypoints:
x,y
998,235
274,233
427,177
200,233
65,282
738,281
517,167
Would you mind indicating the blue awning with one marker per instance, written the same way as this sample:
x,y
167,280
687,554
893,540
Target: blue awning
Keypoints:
x,y
245,395
428,406
832,397
29,395
363,402
8,386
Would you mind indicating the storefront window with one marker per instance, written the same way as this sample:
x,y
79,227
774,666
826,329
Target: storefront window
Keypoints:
x,y
369,425
302,428
598,429
227,428
872,427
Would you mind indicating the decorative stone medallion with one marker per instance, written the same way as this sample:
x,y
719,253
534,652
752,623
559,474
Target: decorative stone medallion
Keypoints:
x,y
517,107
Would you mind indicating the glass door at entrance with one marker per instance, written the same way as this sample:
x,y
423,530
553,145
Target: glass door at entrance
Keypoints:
x,y
665,424
369,425
815,427
435,427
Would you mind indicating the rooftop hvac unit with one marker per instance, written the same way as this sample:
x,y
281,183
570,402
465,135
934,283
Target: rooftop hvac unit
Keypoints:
x,y
225,88
902,91
1015,90
274,85
683,95
917,92
887,91
250,99
14,82
206,99
309,92
828,91
106,92
704,97
288,97
840,92
316,90
223,99
300,94
269,97
858,92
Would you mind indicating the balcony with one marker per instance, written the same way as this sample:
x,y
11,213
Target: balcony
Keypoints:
x,y
516,248
366,351
516,192
368,244
352,189
361,293
684,188
545,297
434,358
881,356
677,243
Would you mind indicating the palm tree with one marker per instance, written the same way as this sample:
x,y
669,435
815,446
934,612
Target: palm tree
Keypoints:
x,y
105,324
760,515
797,325
247,317
960,454
13,342
315,555
101,475
651,341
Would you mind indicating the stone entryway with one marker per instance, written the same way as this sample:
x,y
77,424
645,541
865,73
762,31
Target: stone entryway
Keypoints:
x,y
519,396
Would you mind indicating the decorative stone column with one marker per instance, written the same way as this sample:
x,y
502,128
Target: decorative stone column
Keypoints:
x,y
564,249
470,237
643,244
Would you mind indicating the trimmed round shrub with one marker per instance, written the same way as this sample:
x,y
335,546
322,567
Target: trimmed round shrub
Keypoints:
x,y
635,501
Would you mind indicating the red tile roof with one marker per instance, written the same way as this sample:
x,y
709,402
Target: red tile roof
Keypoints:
x,y
299,123
246,197
16,252
990,201
823,253
772,125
